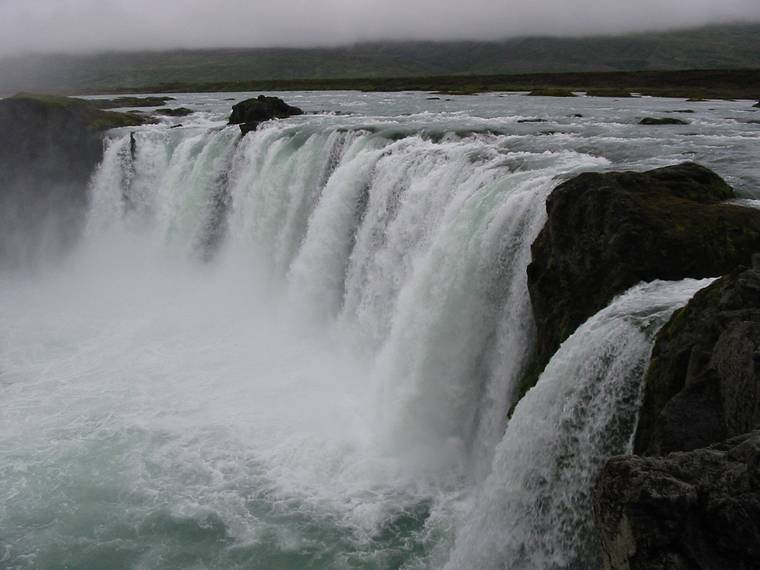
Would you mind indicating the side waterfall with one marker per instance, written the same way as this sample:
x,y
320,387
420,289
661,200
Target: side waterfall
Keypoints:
x,y
534,511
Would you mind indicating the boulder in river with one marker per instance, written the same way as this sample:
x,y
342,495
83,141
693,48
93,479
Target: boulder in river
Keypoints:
x,y
249,114
662,121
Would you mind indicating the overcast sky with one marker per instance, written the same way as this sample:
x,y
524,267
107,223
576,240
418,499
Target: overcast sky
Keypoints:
x,y
77,25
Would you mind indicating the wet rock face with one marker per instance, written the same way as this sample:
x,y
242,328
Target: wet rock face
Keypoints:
x,y
692,502
703,383
606,232
49,148
249,114
697,510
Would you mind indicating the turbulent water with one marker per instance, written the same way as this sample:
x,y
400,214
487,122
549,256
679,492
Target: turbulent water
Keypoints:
x,y
298,349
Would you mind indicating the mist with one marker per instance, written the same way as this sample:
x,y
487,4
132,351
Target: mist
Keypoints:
x,y
97,25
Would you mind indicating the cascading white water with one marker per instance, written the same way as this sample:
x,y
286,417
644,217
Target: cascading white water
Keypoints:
x,y
419,247
298,348
534,511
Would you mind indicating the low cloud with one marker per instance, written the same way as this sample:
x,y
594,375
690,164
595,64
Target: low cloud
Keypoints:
x,y
91,25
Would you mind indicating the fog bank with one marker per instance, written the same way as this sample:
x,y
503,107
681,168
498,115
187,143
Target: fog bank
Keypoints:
x,y
86,25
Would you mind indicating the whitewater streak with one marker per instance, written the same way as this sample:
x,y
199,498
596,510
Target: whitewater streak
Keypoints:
x,y
300,347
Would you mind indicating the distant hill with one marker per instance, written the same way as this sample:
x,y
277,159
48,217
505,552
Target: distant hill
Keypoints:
x,y
717,47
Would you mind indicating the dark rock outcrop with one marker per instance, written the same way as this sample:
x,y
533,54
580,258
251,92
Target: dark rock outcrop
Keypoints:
x,y
698,507
49,148
703,382
608,231
697,510
662,121
174,112
122,102
249,114
757,105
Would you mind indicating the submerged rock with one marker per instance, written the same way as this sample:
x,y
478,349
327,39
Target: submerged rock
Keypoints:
x,y
697,510
174,112
703,383
662,121
606,232
249,114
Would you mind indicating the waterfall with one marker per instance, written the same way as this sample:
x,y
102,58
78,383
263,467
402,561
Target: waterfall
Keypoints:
x,y
162,183
410,252
534,511
416,244
299,348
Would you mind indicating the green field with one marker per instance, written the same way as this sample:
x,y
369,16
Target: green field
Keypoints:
x,y
698,84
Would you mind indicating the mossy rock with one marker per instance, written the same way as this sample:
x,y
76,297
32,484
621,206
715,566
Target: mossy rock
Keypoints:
x,y
703,381
662,121
551,92
80,110
49,148
175,112
121,102
606,232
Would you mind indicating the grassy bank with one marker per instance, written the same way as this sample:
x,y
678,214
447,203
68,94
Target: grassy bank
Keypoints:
x,y
706,84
